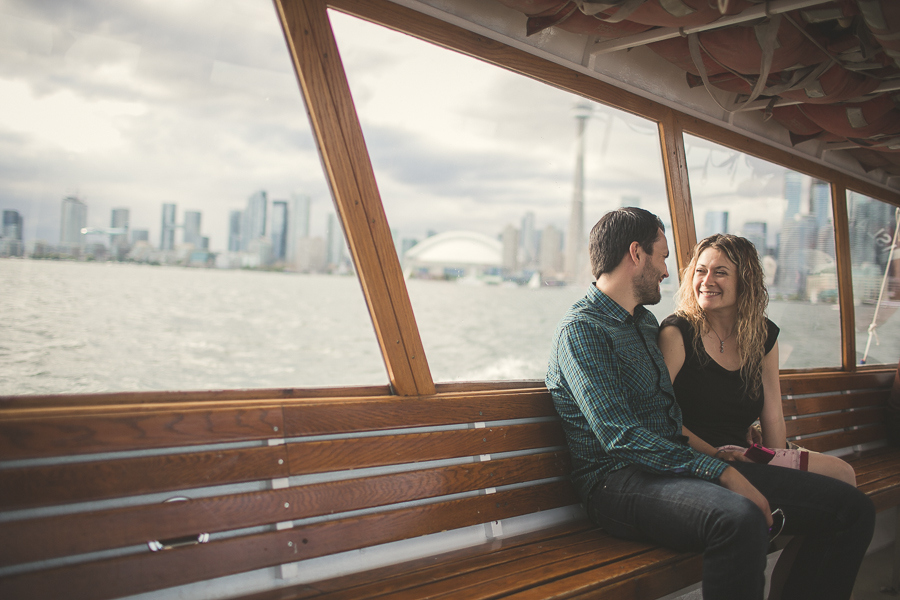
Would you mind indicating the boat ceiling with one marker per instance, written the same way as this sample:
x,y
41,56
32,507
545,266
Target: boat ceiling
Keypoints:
x,y
821,79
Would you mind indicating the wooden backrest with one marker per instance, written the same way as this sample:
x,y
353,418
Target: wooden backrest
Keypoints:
x,y
269,481
834,411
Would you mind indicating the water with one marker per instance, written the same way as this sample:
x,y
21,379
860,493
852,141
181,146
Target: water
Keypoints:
x,y
71,327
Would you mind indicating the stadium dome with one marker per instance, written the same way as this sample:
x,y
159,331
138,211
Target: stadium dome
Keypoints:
x,y
463,252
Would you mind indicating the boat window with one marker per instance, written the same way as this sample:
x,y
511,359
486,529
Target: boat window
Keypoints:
x,y
789,218
478,169
875,260
167,224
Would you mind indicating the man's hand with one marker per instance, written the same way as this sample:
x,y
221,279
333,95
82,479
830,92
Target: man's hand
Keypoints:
x,y
734,481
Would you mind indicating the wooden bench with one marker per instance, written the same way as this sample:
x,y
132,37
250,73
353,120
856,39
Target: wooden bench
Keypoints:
x,y
282,491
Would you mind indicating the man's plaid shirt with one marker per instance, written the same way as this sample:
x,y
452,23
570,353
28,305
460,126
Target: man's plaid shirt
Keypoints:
x,y
613,392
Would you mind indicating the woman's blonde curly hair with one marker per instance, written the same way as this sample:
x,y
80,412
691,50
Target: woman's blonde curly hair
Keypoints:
x,y
752,301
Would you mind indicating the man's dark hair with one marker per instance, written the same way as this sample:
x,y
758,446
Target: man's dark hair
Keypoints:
x,y
615,231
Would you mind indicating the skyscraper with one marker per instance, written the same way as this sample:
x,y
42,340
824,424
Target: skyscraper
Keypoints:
x,y
167,236
757,232
793,183
74,219
11,234
12,225
715,221
253,221
192,234
529,240
334,242
280,215
118,241
234,230
820,202
298,225
551,255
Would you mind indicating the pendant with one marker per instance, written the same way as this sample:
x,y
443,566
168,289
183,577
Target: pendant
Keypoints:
x,y
721,347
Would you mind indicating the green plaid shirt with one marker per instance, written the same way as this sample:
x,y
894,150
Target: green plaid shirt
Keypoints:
x,y
612,390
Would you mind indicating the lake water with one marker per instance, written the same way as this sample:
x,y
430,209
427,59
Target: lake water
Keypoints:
x,y
71,327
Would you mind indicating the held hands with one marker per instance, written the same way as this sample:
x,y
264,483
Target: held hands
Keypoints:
x,y
731,456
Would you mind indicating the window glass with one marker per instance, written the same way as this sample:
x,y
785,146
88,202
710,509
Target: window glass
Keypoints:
x,y
166,221
478,170
789,218
875,259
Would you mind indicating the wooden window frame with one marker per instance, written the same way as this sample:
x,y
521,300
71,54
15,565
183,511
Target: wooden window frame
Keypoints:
x,y
369,237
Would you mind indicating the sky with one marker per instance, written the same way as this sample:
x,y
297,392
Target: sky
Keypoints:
x,y
195,102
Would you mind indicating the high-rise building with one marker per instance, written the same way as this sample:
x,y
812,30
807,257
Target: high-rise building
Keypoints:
x,y
118,237
234,230
510,239
798,237
820,202
715,221
74,219
280,221
167,236
551,252
12,225
756,232
253,221
192,220
298,224
793,184
334,242
529,239
11,234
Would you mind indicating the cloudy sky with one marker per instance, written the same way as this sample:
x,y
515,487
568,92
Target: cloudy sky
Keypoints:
x,y
195,102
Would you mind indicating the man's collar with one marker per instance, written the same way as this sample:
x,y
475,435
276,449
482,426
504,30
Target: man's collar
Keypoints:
x,y
613,308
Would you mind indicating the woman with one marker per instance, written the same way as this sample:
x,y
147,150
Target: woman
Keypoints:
x,y
722,355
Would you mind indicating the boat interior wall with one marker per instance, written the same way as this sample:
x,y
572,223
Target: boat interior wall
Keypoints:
x,y
823,84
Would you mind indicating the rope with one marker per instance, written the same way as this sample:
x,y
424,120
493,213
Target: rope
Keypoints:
x,y
873,325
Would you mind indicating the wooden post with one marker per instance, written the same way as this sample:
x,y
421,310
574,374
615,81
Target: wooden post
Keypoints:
x,y
346,161
844,276
671,139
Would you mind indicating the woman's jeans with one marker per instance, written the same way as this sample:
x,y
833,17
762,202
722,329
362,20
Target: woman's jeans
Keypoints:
x,y
685,513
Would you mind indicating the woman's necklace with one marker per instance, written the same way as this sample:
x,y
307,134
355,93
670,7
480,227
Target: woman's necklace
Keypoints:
x,y
721,341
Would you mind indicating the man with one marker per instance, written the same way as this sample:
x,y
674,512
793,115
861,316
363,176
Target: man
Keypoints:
x,y
635,472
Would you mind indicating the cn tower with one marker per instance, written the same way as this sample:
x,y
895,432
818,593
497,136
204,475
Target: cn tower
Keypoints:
x,y
575,243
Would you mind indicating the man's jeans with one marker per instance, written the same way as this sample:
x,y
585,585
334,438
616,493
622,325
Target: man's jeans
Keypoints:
x,y
685,513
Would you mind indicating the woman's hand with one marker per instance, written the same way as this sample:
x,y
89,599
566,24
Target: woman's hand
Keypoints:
x,y
731,456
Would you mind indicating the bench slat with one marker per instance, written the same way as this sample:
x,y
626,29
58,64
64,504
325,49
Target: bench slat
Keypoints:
x,y
50,537
830,382
87,434
645,583
843,439
427,569
834,421
143,572
357,453
516,575
357,415
602,580
818,404
882,470
98,480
